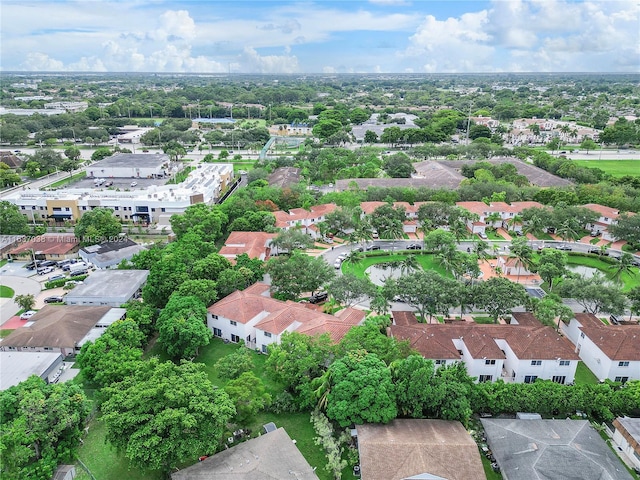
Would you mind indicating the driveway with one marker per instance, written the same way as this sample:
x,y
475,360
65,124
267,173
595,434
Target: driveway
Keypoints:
x,y
21,286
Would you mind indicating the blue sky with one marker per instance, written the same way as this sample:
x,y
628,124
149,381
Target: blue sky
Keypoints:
x,y
375,36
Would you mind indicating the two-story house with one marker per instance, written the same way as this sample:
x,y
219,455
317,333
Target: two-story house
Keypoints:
x,y
306,220
610,351
496,214
607,216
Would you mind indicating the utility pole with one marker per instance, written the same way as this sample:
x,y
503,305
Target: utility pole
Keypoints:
x,y
468,124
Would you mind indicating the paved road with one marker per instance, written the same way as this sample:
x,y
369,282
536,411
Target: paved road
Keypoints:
x,y
22,286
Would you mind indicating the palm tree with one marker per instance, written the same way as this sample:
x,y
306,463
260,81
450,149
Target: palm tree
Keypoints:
x,y
481,248
569,229
355,257
523,254
392,231
409,264
534,224
624,265
448,259
492,219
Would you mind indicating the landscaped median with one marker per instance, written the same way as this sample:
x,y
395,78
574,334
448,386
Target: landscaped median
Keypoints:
x,y
427,261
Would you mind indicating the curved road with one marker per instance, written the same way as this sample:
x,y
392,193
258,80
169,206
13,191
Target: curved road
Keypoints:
x,y
21,286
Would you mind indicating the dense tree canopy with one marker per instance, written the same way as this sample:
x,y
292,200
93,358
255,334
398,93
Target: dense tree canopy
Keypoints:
x,y
98,225
12,222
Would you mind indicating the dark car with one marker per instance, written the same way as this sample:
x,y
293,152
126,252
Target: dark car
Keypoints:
x,y
597,251
372,247
47,263
414,246
54,299
32,265
614,319
563,247
318,297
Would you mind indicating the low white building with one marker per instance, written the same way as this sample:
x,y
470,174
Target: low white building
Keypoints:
x,y
147,205
627,437
108,287
16,367
610,351
521,352
110,254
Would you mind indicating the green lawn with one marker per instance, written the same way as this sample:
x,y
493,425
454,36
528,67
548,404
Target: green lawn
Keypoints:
x,y
68,180
6,292
427,262
5,333
629,279
483,320
488,471
584,375
617,168
104,462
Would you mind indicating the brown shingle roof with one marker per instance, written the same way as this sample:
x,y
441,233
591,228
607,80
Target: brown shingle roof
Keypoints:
x,y
251,243
56,326
404,318
430,343
405,448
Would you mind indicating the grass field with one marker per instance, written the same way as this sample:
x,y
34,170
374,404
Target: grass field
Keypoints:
x,y
584,375
426,261
67,180
617,168
6,292
5,333
629,280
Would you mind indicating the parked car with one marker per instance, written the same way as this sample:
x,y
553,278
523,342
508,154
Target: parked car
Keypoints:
x,y
47,263
597,251
614,319
54,299
27,315
595,234
45,270
77,273
342,256
482,235
108,184
414,246
337,264
563,247
372,247
134,183
31,265
318,297
57,276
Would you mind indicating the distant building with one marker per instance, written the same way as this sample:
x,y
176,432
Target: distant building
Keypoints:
x,y
71,107
61,329
284,177
16,367
10,159
9,242
626,436
108,287
254,244
132,165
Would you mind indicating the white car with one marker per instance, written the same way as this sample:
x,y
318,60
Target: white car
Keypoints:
x,y
27,315
133,184
45,270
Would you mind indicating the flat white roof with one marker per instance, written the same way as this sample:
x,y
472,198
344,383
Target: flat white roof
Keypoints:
x,y
16,367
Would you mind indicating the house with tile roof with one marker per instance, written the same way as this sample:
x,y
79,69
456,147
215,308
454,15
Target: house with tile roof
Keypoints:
x,y
503,212
610,351
258,320
520,352
607,216
304,219
254,244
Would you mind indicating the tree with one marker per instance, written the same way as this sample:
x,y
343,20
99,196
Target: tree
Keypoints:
x,y
326,128
182,327
498,296
235,364
428,292
523,253
549,308
552,264
371,338
416,392
69,166
624,266
114,355
588,144
290,240
165,276
203,289
40,427
360,390
479,131
210,267
72,153
47,159
594,294
350,289
627,227
165,414
296,361
204,220
398,166
433,215
370,137
439,241
12,222
8,176
249,396
96,226
26,302
101,153
633,296
291,276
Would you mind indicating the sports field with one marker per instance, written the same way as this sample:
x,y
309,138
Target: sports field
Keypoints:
x,y
617,168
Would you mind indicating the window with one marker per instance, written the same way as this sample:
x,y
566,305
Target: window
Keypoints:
x,y
565,363
623,364
267,334
264,349
485,378
530,378
536,362
235,338
22,207
622,379
233,322
215,317
84,207
117,208
440,362
559,379
489,362
163,209
582,335
217,332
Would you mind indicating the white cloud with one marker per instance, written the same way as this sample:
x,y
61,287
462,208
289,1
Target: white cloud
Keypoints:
x,y
251,61
37,61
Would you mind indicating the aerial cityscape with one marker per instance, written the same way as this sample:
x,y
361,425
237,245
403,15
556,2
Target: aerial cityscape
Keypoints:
x,y
382,239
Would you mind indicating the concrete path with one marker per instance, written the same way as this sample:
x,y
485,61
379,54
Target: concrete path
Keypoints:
x,y
21,286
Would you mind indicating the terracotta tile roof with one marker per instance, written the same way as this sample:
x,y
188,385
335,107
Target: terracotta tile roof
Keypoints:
x,y
243,307
251,243
351,316
336,329
618,342
49,244
527,342
56,326
602,210
404,318
369,207
300,214
418,448
526,319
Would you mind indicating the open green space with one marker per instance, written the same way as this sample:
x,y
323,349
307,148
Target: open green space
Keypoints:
x,y
617,168
584,375
6,292
426,261
104,462
629,279
5,333
68,180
